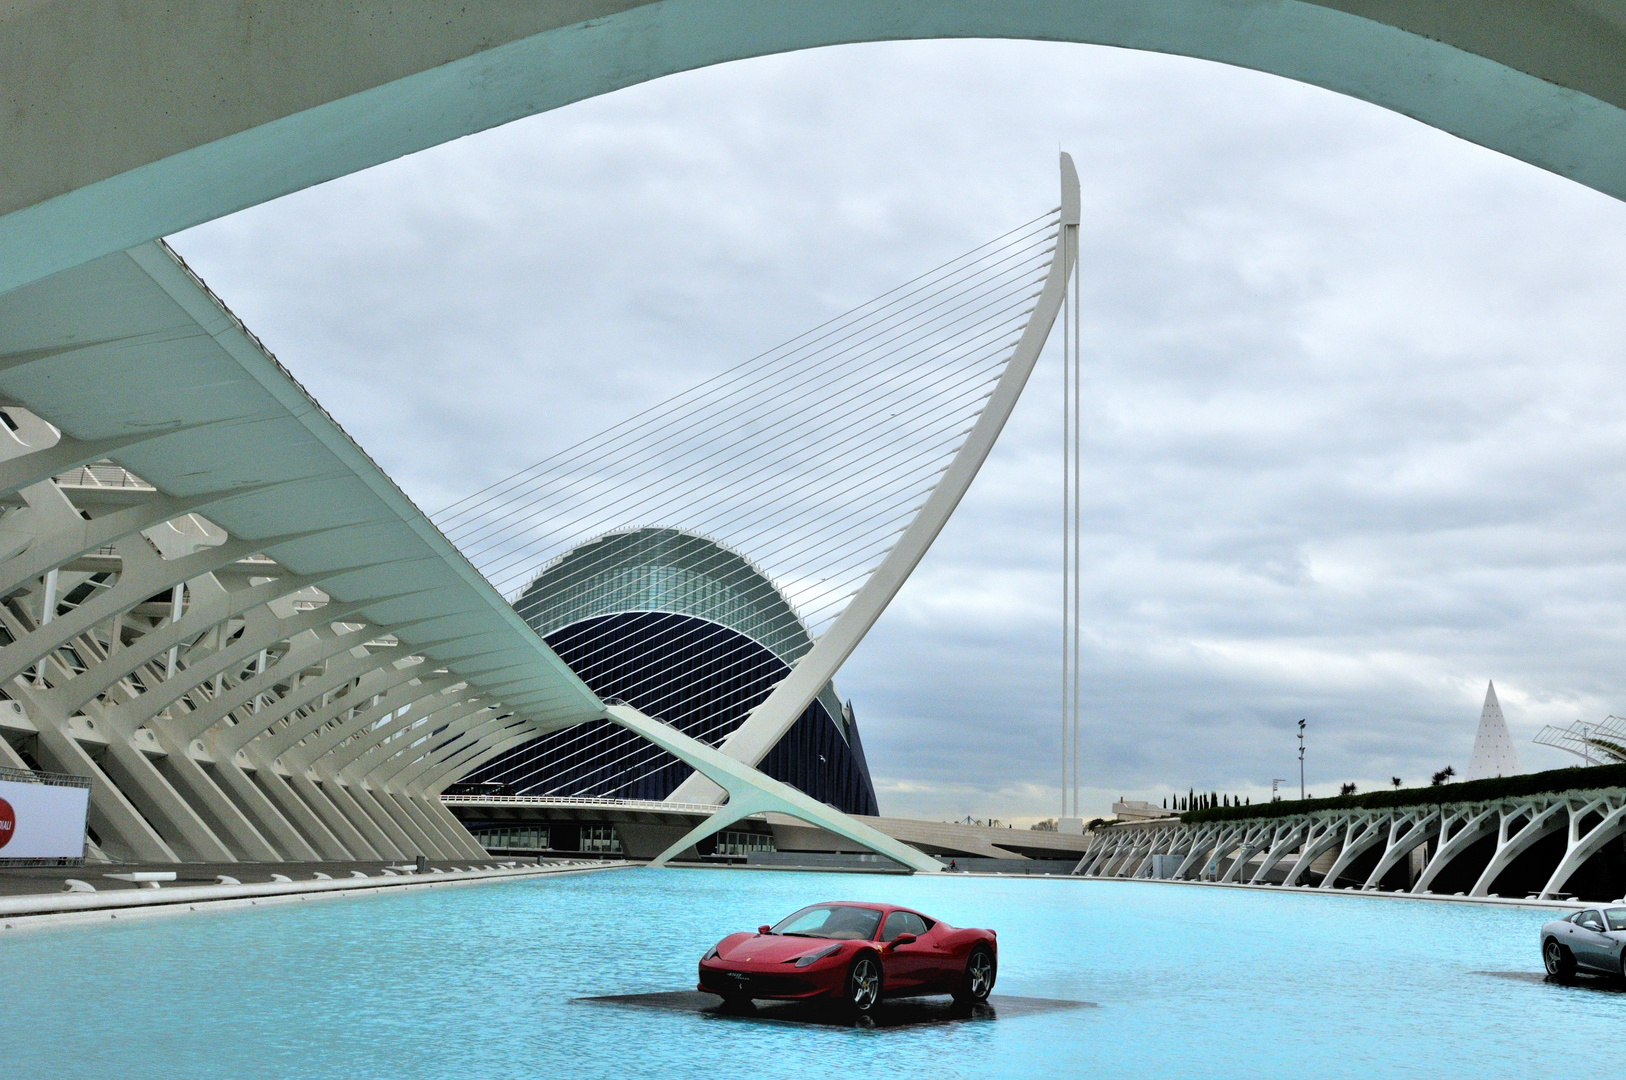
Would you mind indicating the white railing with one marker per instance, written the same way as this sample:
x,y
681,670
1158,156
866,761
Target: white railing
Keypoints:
x,y
103,476
584,800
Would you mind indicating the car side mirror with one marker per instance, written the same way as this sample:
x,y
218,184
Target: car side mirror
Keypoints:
x,y
902,939
764,929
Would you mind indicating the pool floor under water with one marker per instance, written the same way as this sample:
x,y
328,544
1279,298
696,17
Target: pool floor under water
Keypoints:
x,y
491,981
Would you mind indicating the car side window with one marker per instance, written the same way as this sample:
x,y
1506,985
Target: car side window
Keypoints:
x,y
1590,920
902,922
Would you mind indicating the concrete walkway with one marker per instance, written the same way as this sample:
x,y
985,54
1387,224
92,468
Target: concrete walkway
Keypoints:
x,y
52,902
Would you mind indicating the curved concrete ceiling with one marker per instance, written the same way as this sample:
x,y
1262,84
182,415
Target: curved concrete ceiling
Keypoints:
x,y
124,123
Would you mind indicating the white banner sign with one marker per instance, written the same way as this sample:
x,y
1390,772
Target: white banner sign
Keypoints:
x,y
42,821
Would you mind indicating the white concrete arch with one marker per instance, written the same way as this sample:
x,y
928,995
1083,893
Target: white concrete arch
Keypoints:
x,y
199,109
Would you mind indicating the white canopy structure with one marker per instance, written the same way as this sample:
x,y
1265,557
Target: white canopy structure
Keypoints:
x,y
245,634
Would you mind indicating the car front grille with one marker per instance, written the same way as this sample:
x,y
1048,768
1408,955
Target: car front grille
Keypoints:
x,y
743,983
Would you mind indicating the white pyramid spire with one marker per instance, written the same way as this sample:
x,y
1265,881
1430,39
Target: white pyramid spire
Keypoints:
x,y
1493,747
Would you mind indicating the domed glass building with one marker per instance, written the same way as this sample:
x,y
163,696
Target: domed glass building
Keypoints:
x,y
686,630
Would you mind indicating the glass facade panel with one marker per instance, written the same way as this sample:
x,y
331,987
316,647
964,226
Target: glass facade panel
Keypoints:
x,y
600,839
519,837
730,842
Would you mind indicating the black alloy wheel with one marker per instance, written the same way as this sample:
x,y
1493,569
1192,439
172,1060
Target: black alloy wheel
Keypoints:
x,y
864,984
1557,959
980,972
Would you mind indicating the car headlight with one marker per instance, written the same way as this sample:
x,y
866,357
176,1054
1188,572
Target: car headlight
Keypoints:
x,y
813,958
711,954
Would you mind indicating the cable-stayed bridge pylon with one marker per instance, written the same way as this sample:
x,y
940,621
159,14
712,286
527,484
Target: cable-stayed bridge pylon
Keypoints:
x,y
826,467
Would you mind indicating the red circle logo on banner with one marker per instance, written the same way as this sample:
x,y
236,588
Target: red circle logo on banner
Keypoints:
x,y
8,823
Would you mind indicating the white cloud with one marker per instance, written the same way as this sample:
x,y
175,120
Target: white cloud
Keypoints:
x,y
1355,393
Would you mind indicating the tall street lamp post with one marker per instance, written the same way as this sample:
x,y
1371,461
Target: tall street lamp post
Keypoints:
x,y
1301,761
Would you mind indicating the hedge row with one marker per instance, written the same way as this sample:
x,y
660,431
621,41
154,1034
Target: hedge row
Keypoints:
x,y
1576,778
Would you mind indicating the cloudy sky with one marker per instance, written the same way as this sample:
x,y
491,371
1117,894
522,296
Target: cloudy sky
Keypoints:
x,y
1355,428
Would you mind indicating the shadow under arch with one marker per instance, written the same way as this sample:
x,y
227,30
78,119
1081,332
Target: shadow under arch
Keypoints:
x,y
127,123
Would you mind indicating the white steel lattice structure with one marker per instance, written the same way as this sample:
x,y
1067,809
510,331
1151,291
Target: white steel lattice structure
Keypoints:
x,y
1598,742
246,636
1408,848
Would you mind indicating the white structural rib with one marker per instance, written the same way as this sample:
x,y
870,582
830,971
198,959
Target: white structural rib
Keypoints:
x,y
769,721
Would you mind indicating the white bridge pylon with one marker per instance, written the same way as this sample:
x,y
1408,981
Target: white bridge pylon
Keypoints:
x,y
769,721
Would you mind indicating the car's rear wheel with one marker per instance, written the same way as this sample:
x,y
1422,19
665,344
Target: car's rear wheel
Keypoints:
x,y
978,981
864,984
1558,961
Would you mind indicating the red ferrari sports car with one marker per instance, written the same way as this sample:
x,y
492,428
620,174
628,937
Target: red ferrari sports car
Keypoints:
x,y
855,954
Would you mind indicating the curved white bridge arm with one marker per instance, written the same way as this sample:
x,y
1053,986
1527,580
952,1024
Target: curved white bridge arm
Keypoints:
x,y
750,792
769,721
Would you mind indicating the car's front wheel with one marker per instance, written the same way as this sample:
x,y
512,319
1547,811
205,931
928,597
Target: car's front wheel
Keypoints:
x,y
1558,961
864,984
978,981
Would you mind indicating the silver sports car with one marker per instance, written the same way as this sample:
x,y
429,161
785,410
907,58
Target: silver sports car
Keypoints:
x,y
1593,940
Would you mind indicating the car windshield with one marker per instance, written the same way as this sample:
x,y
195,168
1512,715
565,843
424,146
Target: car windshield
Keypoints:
x,y
837,921
1616,917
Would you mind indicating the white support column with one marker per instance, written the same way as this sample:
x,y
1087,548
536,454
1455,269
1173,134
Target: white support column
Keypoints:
x,y
405,810
1534,821
401,834
1323,836
264,812
1201,844
1365,830
111,814
1405,833
1477,823
434,807
1253,841
324,825
1288,837
1611,812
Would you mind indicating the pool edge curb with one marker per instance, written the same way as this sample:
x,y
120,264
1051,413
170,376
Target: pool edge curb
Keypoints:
x,y
81,909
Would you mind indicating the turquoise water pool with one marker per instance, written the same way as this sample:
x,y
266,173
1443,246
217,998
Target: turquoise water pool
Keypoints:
x,y
479,982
